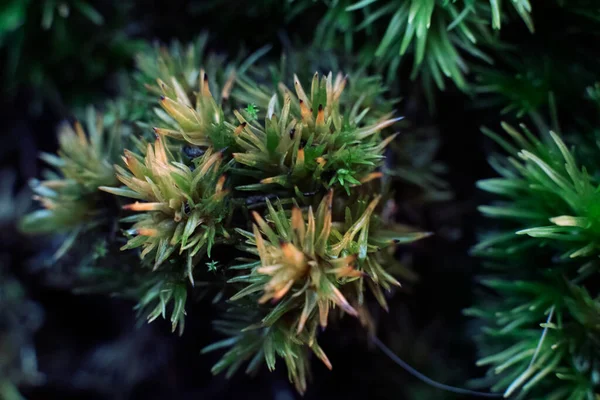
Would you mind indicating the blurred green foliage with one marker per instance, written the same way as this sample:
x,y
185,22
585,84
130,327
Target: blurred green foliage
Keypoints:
x,y
64,49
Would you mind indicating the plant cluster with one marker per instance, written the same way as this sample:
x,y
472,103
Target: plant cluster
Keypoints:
x,y
69,193
540,335
441,37
270,196
273,186
411,157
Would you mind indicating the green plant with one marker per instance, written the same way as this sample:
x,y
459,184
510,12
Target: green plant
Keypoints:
x,y
304,143
540,334
179,67
182,209
214,161
309,267
413,152
440,35
69,194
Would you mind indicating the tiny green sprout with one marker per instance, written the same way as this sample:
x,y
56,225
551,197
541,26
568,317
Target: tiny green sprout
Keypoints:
x,y
252,111
345,178
212,265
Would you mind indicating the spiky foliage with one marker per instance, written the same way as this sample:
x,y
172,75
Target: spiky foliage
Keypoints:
x,y
542,339
362,89
305,143
296,148
183,208
541,327
182,211
201,123
564,205
309,142
258,345
178,68
440,35
412,153
309,265
175,63
70,194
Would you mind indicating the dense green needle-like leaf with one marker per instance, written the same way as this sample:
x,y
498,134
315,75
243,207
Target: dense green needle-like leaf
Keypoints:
x,y
541,317
439,35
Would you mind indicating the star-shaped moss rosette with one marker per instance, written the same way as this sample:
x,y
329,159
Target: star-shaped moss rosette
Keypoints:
x,y
307,264
177,71
311,141
413,154
201,123
182,209
178,66
297,253
305,144
70,195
